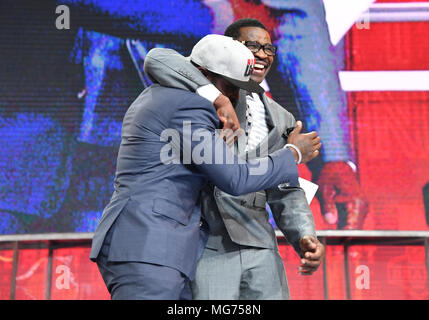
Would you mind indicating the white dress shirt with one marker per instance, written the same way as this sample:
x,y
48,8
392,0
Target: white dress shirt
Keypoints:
x,y
256,124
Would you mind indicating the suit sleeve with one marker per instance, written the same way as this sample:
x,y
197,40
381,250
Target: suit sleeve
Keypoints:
x,y
202,147
171,69
291,213
288,204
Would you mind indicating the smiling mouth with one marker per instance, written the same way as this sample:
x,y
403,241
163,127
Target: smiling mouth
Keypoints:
x,y
259,69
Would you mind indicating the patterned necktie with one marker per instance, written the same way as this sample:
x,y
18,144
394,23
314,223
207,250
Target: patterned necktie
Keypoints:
x,y
256,125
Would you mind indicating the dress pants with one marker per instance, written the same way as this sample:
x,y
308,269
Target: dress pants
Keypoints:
x,y
243,273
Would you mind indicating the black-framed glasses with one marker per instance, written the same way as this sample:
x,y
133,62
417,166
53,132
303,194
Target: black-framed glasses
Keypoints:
x,y
255,46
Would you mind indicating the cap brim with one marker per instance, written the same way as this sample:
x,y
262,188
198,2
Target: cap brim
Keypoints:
x,y
251,86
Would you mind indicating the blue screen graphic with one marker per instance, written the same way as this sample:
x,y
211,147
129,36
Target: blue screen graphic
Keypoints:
x,y
63,95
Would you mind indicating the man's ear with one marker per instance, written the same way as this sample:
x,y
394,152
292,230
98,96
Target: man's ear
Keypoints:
x,y
208,74
204,71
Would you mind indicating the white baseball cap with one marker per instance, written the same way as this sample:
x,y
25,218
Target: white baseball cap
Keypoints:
x,y
228,58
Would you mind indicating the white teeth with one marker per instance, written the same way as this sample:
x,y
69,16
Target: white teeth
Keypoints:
x,y
260,66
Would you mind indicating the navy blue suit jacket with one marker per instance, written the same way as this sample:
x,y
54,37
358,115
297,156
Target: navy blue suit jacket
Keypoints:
x,y
156,204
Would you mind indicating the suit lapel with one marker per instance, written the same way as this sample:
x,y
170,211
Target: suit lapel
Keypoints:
x,y
240,110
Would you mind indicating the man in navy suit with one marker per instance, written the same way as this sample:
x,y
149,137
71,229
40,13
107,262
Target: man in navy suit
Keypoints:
x,y
150,236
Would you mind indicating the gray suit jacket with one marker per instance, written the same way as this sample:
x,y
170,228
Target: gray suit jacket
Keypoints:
x,y
242,219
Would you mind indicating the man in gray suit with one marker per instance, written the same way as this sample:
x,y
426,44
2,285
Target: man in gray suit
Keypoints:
x,y
149,239
241,259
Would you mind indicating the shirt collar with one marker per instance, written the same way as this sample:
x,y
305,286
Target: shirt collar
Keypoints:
x,y
253,95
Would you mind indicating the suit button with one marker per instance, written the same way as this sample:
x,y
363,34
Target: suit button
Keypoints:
x,y
283,185
217,193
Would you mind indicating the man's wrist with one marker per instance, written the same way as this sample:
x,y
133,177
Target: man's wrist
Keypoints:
x,y
295,151
308,233
221,101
